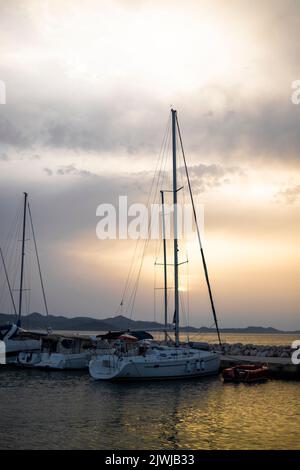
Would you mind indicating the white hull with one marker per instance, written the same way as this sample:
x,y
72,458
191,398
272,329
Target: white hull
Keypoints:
x,y
191,363
14,344
56,361
18,345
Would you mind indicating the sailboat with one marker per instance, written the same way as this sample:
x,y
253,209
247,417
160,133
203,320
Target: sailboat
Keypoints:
x,y
44,350
39,349
148,359
17,339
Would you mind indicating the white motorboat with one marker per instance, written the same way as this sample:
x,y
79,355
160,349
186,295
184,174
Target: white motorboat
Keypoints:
x,y
16,340
59,361
149,359
59,352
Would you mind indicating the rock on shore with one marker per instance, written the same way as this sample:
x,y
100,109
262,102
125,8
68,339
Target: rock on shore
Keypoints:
x,y
239,349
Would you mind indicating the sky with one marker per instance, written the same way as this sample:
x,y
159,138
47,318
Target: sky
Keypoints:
x,y
89,87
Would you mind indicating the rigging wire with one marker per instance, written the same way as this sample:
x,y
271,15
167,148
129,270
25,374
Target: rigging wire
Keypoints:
x,y
146,242
154,293
10,245
188,294
199,238
8,282
12,266
27,278
130,274
39,265
162,213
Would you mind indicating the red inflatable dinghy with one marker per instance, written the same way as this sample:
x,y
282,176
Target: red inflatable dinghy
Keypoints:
x,y
245,373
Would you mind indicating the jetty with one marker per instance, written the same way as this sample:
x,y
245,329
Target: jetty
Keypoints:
x,y
278,358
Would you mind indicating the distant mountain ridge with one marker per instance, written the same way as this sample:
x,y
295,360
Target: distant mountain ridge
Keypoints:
x,y
36,321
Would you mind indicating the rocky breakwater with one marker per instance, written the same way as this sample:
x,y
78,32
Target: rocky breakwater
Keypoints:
x,y
254,350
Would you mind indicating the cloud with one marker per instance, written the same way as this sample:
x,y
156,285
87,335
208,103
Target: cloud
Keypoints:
x,y
266,129
72,170
204,177
289,195
100,124
48,171
50,106
11,132
92,84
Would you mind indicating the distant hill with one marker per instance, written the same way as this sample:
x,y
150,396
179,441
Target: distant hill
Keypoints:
x,y
36,321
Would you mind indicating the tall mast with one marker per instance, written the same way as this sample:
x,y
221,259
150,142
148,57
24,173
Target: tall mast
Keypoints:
x,y
165,263
175,229
22,259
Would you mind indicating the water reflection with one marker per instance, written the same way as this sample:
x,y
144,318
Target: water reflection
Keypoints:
x,y
67,410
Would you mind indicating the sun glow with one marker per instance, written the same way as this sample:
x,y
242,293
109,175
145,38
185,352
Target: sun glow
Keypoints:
x,y
204,48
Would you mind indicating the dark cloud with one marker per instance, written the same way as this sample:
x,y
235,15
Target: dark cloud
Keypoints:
x,y
65,212
100,125
46,108
265,129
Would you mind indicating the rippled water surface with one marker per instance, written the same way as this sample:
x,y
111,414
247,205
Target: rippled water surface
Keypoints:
x,y
254,338
68,410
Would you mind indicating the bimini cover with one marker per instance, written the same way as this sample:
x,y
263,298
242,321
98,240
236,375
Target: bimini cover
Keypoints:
x,y
141,335
111,335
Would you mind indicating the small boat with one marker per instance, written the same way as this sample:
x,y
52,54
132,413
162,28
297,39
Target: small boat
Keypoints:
x,y
245,373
